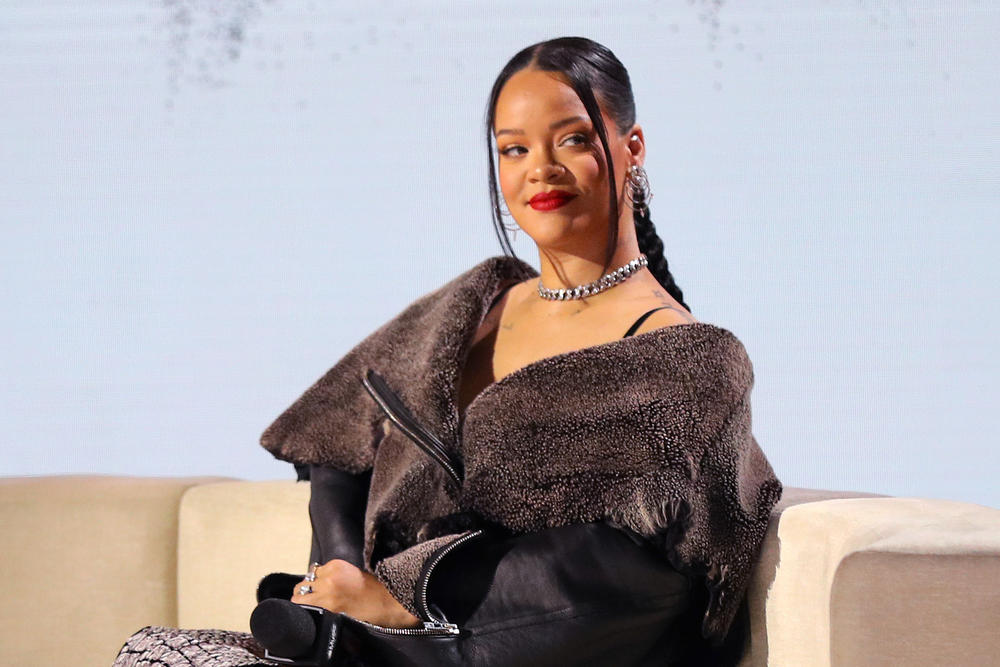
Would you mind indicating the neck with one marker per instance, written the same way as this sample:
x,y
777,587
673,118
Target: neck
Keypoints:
x,y
582,263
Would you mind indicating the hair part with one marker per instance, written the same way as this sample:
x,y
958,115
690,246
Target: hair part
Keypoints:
x,y
594,72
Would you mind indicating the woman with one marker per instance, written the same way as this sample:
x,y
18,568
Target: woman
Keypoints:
x,y
525,468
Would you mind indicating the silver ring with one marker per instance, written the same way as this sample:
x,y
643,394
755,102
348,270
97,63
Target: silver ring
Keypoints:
x,y
305,590
311,576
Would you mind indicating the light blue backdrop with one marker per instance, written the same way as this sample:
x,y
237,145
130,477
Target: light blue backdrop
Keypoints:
x,y
204,205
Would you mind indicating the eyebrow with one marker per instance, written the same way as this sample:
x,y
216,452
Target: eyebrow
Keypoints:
x,y
553,126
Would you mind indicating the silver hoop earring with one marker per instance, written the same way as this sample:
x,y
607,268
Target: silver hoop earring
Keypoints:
x,y
512,229
637,190
505,213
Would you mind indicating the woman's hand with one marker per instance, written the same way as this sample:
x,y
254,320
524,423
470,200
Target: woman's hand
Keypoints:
x,y
342,587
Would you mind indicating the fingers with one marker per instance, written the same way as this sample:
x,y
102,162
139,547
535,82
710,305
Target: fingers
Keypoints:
x,y
305,588
302,591
325,585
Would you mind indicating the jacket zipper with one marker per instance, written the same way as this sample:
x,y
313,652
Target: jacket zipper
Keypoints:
x,y
432,625
435,559
429,628
396,410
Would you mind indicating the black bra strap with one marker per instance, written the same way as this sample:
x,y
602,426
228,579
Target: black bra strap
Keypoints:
x,y
642,318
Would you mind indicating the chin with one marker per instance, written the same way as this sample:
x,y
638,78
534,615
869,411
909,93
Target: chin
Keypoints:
x,y
560,230
552,231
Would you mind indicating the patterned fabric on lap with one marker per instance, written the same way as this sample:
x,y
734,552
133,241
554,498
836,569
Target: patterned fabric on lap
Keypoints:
x,y
167,647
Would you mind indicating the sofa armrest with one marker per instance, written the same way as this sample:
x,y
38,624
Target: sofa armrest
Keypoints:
x,y
91,557
885,581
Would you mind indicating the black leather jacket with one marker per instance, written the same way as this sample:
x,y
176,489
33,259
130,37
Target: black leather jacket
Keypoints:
x,y
582,594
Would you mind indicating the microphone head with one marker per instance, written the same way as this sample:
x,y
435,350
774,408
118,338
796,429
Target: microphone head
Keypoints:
x,y
283,627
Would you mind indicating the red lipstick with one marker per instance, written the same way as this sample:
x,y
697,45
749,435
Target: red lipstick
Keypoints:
x,y
547,201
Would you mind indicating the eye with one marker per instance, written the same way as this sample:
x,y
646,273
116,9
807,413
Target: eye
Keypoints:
x,y
583,139
575,139
507,151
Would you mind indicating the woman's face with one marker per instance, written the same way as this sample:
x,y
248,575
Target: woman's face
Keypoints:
x,y
546,143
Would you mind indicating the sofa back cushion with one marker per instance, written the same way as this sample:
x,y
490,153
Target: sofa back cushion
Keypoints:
x,y
231,534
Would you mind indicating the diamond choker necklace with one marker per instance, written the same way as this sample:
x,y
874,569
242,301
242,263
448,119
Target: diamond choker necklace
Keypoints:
x,y
604,282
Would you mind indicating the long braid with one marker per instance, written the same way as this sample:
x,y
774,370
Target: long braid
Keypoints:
x,y
651,245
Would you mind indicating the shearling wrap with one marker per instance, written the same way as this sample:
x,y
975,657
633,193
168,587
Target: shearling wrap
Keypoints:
x,y
651,433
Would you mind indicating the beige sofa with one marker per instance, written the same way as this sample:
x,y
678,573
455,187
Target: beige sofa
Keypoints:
x,y
844,579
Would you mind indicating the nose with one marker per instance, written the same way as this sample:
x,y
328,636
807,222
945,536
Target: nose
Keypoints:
x,y
548,172
546,169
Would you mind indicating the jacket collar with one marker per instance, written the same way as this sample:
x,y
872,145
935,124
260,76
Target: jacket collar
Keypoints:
x,y
420,352
428,384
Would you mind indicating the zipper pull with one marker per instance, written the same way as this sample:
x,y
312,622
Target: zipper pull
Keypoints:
x,y
438,625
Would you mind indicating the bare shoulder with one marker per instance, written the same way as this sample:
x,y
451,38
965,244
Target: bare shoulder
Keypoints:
x,y
523,291
668,315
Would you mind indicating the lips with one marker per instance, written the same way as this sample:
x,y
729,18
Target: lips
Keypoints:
x,y
546,201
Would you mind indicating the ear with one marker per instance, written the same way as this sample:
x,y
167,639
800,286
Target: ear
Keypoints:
x,y
637,145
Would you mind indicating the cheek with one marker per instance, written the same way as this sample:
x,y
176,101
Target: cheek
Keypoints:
x,y
593,170
590,173
508,183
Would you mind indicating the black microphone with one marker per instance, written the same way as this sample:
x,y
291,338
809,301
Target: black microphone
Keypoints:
x,y
295,634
